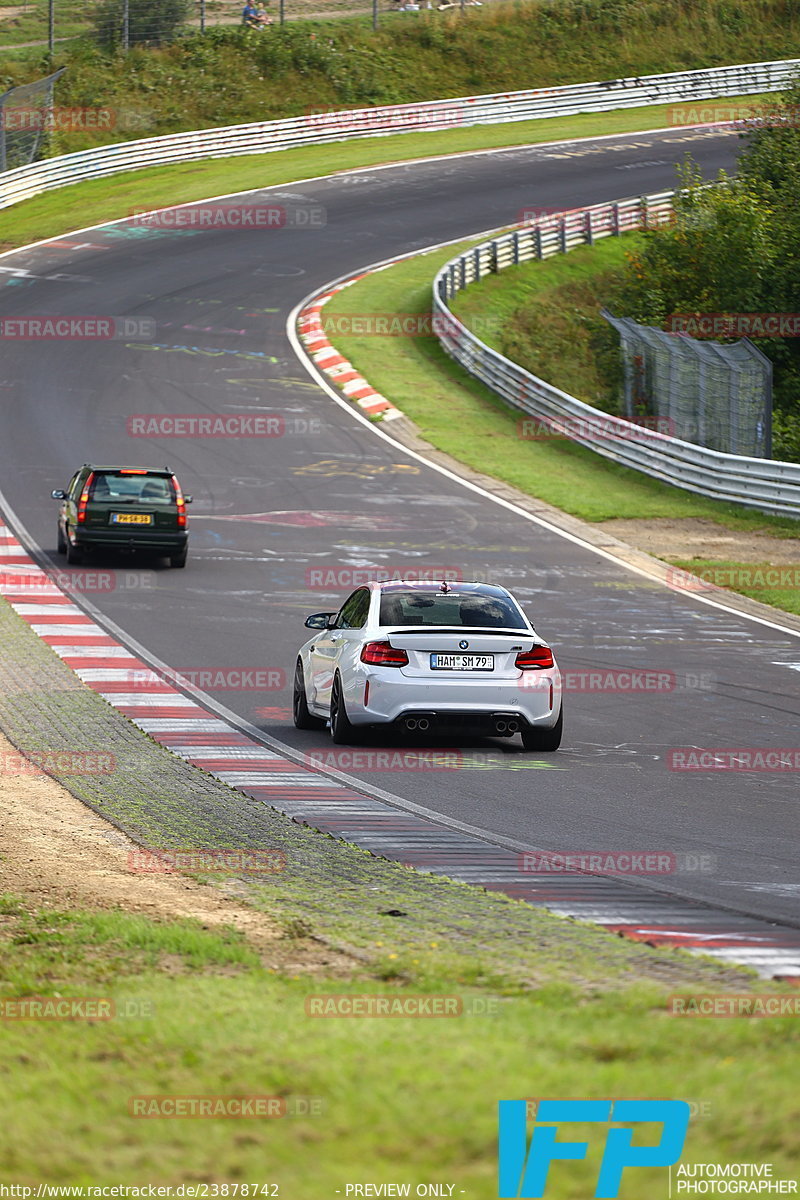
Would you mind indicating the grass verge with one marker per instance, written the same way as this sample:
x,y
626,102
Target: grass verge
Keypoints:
x,y
461,417
397,1099
95,201
776,585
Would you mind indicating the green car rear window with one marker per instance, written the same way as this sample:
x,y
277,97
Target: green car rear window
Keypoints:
x,y
117,487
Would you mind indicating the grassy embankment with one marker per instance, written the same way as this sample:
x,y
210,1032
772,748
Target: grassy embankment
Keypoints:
x,y
392,1099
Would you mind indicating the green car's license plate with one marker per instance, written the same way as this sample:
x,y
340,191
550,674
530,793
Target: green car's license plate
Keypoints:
x,y
131,519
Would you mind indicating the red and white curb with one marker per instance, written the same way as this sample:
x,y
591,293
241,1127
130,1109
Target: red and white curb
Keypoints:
x,y
333,364
181,724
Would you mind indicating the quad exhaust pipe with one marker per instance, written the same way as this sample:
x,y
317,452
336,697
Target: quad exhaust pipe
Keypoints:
x,y
420,723
503,726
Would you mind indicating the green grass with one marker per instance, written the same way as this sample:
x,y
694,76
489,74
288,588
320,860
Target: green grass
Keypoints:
x,y
776,585
397,1099
458,415
31,24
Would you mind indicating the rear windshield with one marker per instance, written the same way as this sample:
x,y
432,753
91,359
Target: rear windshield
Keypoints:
x,y
455,608
120,488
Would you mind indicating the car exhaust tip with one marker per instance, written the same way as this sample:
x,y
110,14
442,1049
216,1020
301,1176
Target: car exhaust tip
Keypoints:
x,y
513,726
411,723
500,726
423,724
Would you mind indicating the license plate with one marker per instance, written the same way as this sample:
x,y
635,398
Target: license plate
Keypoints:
x,y
462,662
131,519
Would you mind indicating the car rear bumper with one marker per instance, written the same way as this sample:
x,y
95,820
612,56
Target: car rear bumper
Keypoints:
x,y
531,700
113,539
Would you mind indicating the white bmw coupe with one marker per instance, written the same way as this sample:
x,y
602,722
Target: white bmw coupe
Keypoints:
x,y
426,657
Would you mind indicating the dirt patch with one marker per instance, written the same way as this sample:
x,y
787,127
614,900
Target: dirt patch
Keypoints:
x,y
696,537
59,854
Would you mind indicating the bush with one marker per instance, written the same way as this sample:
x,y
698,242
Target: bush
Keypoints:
x,y
150,22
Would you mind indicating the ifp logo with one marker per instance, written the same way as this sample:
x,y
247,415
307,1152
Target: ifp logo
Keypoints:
x,y
523,1171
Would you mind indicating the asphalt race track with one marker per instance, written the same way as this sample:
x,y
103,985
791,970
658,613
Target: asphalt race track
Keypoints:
x,y
272,515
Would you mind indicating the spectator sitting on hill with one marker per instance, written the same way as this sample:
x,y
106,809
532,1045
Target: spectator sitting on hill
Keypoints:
x,y
254,18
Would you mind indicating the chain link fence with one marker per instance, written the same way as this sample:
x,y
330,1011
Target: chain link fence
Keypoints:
x,y
24,121
713,394
124,23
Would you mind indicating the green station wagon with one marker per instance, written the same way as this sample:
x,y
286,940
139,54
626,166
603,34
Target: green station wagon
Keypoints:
x,y
123,508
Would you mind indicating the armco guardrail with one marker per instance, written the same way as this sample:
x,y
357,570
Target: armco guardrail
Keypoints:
x,y
265,136
764,484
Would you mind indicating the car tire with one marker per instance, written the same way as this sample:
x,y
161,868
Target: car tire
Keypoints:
x,y
303,719
544,739
179,559
74,554
61,542
342,731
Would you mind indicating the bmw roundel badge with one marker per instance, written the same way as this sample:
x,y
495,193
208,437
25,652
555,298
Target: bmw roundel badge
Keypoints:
x,y
462,645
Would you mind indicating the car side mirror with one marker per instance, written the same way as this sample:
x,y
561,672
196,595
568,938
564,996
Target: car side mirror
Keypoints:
x,y
319,620
58,494
188,499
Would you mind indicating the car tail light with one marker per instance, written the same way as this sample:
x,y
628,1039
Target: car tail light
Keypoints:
x,y
536,659
84,499
179,500
134,471
381,654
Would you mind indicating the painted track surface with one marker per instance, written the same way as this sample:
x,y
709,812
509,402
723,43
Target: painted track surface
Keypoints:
x,y
268,512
